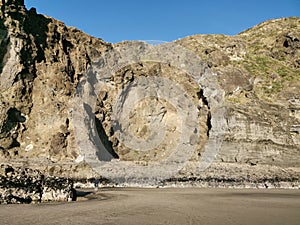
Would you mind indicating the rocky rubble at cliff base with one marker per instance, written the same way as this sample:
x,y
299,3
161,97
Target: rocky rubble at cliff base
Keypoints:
x,y
25,185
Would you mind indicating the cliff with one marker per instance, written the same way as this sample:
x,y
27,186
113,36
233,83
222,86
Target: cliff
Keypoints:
x,y
245,90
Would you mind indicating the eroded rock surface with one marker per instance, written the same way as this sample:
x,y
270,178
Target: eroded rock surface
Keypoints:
x,y
259,71
43,65
25,185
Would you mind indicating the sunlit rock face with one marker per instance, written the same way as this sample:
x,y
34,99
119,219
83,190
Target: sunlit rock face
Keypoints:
x,y
253,77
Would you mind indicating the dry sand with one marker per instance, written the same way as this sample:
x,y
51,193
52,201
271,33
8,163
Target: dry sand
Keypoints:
x,y
164,206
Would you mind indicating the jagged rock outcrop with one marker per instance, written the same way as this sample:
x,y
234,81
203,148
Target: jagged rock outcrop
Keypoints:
x,y
42,61
25,185
43,65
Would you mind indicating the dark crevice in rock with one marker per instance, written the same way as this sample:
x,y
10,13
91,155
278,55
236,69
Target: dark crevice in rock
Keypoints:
x,y
4,41
9,169
208,123
66,46
107,153
14,117
290,41
37,26
70,71
286,43
104,139
14,144
201,96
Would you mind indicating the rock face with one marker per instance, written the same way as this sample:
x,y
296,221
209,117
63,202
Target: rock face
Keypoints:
x,y
42,61
259,71
43,67
24,185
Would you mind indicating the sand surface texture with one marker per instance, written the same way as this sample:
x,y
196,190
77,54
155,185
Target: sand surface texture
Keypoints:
x,y
163,206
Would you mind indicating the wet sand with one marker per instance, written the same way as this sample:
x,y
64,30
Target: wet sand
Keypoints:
x,y
132,206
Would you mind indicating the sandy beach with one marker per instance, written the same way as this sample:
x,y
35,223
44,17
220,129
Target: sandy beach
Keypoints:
x,y
118,206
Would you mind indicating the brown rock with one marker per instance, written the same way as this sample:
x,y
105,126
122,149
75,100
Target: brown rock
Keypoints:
x,y
43,64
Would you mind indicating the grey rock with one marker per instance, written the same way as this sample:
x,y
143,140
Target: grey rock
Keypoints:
x,y
244,89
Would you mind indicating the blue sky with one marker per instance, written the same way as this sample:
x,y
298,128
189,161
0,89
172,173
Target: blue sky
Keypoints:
x,y
165,20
